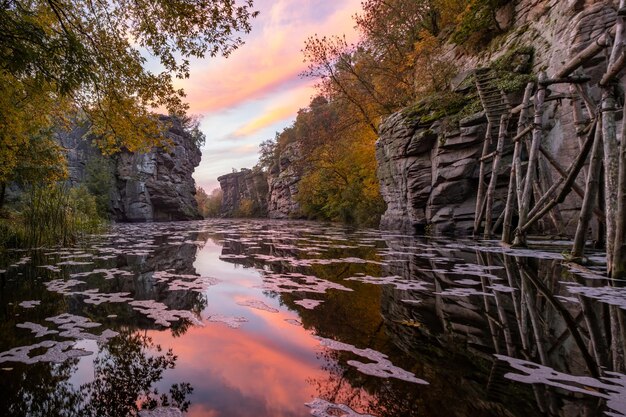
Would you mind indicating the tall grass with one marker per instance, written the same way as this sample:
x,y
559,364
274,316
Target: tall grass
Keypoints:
x,y
49,216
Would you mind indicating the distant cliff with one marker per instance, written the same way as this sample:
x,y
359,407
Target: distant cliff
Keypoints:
x,y
255,193
244,194
153,186
283,184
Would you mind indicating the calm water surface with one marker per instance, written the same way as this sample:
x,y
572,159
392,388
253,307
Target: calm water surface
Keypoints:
x,y
262,318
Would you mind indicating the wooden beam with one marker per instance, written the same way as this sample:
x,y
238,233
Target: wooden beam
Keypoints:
x,y
566,80
614,70
515,184
504,125
575,187
573,171
586,54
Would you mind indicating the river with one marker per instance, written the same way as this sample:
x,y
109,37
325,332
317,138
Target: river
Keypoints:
x,y
286,318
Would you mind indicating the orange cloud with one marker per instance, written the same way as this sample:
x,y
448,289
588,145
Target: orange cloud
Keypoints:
x,y
274,115
288,108
271,59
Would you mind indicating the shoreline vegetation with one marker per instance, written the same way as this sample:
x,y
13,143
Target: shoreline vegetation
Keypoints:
x,y
73,61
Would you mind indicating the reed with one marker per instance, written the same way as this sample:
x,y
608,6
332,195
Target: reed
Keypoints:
x,y
51,215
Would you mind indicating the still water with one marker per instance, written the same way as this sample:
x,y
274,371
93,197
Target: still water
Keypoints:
x,y
264,318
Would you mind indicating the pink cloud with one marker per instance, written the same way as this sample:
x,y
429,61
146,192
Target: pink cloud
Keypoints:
x,y
288,108
271,59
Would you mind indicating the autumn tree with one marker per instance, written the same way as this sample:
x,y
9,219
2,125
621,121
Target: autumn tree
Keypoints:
x,y
63,56
396,58
209,205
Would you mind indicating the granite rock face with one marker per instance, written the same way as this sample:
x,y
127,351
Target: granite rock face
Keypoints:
x,y
429,174
283,181
158,185
248,187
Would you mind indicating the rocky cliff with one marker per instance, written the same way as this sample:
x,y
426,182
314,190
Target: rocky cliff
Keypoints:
x,y
158,185
428,172
153,186
254,193
244,193
283,184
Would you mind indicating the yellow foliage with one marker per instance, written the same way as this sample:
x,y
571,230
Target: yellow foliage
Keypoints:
x,y
28,112
246,208
433,72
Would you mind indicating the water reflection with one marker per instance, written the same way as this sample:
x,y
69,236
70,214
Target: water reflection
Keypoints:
x,y
259,318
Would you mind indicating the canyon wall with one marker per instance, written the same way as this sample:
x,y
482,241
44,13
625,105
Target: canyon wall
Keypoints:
x,y
283,184
244,193
428,172
153,186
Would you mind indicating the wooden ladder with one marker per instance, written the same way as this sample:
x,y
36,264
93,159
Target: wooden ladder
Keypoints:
x,y
498,112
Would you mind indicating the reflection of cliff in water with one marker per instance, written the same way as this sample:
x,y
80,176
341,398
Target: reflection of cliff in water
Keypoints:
x,y
474,304
519,309
177,259
355,318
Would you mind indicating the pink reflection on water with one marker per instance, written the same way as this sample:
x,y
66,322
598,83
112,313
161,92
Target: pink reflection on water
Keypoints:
x,y
266,371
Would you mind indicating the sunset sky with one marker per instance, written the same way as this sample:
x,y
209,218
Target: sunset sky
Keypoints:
x,y
257,91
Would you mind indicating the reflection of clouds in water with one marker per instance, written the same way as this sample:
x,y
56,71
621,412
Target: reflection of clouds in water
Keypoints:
x,y
462,292
230,321
292,282
185,282
611,387
161,314
258,305
396,281
29,303
70,326
56,352
92,296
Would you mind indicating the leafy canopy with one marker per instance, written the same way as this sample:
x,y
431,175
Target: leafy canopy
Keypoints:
x,y
88,57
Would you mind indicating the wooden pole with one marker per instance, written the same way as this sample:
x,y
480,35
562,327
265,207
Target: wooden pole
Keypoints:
x,y
504,125
515,182
586,54
575,187
609,139
611,168
520,239
618,269
590,195
543,185
481,182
